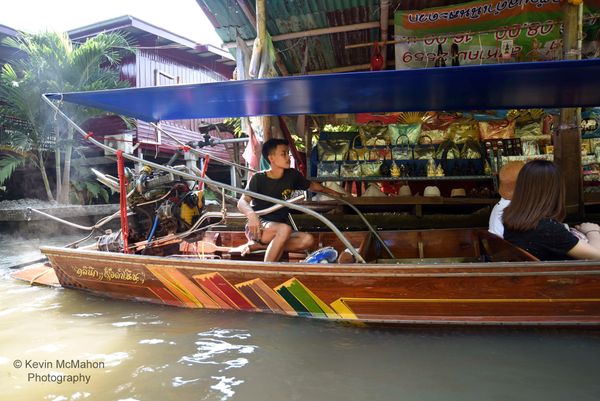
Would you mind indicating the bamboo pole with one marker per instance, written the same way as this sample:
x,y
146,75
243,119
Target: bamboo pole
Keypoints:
x,y
385,9
315,32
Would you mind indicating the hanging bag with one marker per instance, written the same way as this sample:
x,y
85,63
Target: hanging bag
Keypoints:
x,y
370,168
333,149
402,149
355,153
412,131
350,168
471,150
424,150
447,150
374,135
328,169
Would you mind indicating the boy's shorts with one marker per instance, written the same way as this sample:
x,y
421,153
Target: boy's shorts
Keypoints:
x,y
252,237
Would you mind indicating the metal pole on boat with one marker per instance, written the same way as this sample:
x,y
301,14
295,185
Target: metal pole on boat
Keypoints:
x,y
188,176
202,153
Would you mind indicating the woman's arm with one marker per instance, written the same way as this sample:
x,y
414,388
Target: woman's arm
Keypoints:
x,y
592,233
583,250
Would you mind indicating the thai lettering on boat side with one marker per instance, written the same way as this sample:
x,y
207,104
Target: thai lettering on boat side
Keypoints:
x,y
110,274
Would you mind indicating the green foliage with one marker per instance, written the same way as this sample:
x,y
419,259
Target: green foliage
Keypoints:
x,y
236,125
85,191
8,164
50,62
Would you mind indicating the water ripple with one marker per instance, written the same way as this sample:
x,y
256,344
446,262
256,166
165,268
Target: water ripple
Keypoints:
x,y
110,360
225,386
178,381
219,348
151,341
124,324
227,333
88,314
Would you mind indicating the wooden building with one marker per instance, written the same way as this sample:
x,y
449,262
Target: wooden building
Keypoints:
x,y
161,58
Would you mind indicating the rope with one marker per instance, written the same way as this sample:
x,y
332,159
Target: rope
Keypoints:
x,y
40,275
123,200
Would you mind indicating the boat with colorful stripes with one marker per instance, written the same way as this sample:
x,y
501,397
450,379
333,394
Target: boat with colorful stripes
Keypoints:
x,y
450,276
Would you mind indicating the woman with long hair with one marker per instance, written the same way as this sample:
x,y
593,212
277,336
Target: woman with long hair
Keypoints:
x,y
533,220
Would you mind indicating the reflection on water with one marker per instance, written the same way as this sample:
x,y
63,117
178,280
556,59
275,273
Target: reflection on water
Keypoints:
x,y
216,347
150,353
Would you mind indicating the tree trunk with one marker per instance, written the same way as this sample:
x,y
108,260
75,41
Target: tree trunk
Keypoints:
x,y
42,168
57,173
66,180
57,162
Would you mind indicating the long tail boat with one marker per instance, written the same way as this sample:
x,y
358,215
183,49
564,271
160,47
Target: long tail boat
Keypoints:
x,y
450,276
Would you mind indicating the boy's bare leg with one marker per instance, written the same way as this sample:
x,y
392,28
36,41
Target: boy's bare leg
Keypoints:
x,y
280,237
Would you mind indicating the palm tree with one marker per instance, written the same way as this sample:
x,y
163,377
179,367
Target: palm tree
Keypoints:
x,y
51,62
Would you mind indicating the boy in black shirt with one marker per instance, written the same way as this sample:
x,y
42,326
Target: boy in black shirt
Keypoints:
x,y
272,230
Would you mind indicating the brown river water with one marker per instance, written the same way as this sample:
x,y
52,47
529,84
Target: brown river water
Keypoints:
x,y
59,344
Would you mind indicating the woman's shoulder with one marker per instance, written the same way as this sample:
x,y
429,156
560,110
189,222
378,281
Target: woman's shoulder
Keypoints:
x,y
548,223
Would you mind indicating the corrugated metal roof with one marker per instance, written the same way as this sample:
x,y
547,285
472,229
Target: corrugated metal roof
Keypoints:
x,y
326,51
146,34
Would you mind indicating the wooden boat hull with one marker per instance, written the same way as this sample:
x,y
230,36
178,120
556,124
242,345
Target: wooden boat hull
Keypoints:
x,y
503,293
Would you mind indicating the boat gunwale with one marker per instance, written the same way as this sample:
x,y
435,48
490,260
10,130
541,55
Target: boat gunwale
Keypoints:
x,y
522,268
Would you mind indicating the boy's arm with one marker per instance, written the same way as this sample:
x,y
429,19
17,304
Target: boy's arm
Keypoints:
x,y
317,187
243,206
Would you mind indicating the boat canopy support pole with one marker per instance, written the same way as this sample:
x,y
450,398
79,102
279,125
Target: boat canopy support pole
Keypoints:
x,y
188,176
567,140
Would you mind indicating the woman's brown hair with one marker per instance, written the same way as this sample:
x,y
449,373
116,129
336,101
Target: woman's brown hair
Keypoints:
x,y
539,194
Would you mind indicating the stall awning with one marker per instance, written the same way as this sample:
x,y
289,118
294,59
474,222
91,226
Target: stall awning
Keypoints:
x,y
498,86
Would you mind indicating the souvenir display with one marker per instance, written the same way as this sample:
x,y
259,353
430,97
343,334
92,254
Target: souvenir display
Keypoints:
x,y
333,149
402,149
432,191
395,170
502,129
411,131
463,130
373,190
438,144
357,153
328,169
424,149
370,169
447,150
374,135
436,135
530,132
471,150
350,170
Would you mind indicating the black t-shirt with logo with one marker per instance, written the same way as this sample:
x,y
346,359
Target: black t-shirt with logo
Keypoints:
x,y
550,240
281,188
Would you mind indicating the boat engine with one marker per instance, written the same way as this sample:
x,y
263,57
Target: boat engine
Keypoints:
x,y
161,204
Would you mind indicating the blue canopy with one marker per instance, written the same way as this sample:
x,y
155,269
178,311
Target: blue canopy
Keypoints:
x,y
574,83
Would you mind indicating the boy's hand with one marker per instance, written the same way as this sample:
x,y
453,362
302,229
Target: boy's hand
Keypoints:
x,y
254,226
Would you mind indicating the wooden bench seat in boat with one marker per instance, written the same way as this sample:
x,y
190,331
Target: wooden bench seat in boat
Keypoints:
x,y
446,246
463,245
